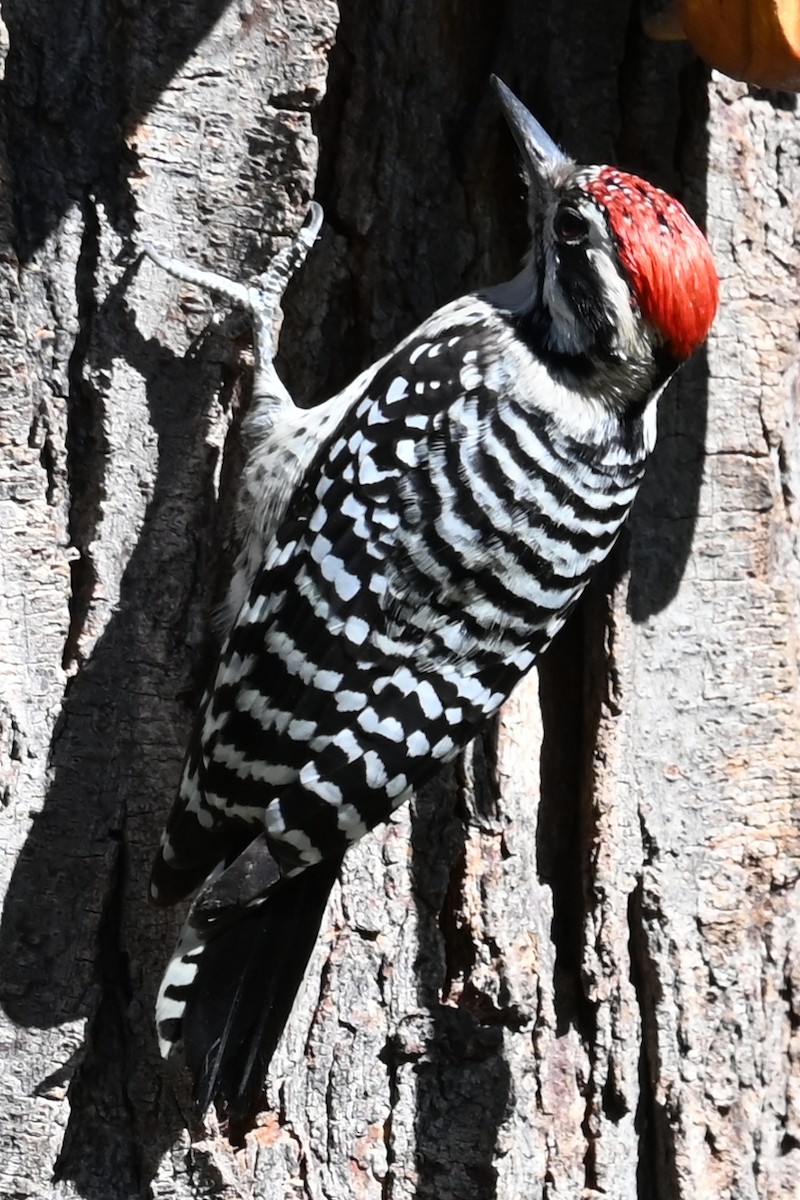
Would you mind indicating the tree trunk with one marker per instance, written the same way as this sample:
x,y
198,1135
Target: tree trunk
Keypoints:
x,y
570,968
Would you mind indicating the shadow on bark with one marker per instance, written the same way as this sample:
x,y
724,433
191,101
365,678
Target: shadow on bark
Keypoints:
x,y
76,82
665,514
78,77
76,902
561,835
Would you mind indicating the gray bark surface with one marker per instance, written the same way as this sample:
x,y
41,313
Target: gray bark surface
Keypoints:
x,y
571,968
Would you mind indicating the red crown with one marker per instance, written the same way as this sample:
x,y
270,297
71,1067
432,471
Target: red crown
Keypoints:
x,y
666,257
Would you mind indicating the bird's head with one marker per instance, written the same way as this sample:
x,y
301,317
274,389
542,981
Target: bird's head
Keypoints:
x,y
617,269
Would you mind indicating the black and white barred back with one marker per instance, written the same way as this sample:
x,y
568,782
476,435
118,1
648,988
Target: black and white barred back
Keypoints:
x,y
447,512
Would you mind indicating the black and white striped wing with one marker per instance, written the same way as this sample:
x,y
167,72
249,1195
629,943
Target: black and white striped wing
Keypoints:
x,y
403,596
306,728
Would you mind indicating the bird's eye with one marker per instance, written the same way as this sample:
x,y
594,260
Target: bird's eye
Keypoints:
x,y
570,227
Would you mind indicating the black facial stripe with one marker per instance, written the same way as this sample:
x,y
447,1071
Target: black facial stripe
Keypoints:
x,y
533,327
582,287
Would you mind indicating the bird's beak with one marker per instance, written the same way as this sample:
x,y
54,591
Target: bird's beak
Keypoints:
x,y
542,157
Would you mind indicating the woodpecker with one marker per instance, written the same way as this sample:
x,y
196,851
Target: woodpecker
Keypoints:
x,y
408,549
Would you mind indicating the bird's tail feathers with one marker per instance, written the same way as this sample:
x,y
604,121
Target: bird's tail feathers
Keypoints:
x,y
229,988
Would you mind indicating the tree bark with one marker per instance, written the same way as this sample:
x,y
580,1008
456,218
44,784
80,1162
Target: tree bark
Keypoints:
x,y
570,968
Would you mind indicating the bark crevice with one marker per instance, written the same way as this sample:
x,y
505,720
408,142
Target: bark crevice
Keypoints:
x,y
86,441
656,1174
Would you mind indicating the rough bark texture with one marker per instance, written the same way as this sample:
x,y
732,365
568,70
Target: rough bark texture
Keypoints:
x,y
571,968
